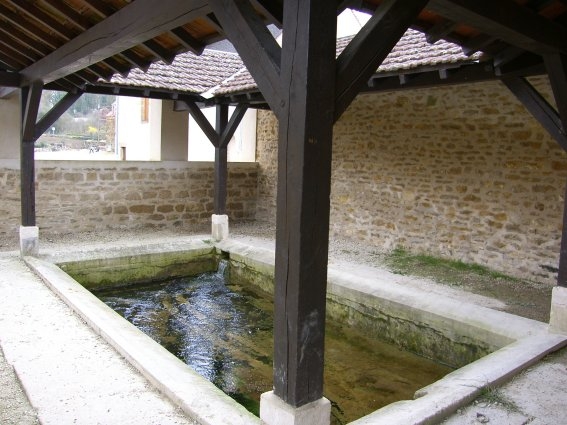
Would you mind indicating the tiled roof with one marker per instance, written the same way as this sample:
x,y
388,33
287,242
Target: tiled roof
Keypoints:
x,y
221,73
188,72
411,53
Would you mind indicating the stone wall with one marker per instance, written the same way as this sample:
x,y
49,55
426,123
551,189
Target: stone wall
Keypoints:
x,y
462,172
77,196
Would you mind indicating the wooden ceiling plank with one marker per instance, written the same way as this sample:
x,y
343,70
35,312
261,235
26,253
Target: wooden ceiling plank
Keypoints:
x,y
21,49
255,44
360,59
99,7
131,25
508,21
80,21
12,53
24,25
25,40
187,40
9,62
39,15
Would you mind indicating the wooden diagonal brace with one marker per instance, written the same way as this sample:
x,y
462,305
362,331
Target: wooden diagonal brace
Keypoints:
x,y
255,44
360,59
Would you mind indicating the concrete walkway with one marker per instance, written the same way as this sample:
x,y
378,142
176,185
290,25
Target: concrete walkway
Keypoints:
x,y
71,376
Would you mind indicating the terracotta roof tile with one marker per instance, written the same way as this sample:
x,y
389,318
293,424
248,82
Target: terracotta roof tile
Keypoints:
x,y
221,73
188,72
412,52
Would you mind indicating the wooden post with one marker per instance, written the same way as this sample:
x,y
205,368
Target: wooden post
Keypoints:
x,y
556,65
30,98
304,182
221,165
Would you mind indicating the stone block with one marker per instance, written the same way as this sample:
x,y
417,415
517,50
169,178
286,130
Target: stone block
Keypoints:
x,y
274,411
219,227
558,315
29,241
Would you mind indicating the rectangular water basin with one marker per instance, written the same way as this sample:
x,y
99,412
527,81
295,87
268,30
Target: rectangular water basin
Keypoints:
x,y
426,324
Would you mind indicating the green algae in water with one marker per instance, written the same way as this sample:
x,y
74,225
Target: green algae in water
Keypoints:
x,y
224,332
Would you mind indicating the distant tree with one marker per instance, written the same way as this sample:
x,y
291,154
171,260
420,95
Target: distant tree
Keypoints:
x,y
81,116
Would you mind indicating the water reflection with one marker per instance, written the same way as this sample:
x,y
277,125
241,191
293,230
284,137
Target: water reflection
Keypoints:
x,y
224,332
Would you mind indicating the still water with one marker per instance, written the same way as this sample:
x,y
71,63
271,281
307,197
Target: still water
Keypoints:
x,y
224,332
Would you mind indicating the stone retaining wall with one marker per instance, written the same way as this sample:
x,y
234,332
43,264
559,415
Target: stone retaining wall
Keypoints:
x,y
77,196
462,172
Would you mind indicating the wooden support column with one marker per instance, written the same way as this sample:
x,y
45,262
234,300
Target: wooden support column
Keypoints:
x,y
308,90
556,65
304,184
221,165
220,138
31,96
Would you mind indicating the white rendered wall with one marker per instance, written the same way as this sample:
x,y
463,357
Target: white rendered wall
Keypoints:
x,y
10,127
135,135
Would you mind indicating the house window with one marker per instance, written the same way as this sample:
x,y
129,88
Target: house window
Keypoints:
x,y
145,110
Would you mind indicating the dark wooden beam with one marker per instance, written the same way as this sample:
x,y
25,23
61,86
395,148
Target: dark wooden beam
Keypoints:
x,y
135,60
202,121
55,113
360,59
187,40
304,182
271,9
10,79
221,161
556,66
508,21
538,107
440,30
226,135
557,71
255,44
158,50
133,24
31,97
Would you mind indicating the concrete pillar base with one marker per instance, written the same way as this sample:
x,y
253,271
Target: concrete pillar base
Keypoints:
x,y
220,227
29,241
274,411
558,316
